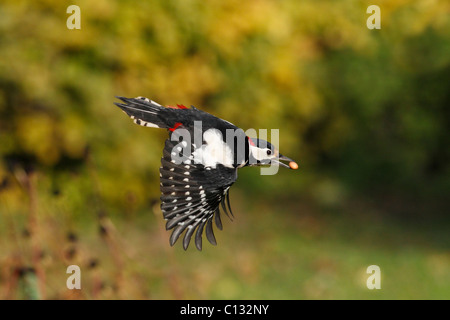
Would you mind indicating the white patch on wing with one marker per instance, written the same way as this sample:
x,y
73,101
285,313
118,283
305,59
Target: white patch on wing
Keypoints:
x,y
214,151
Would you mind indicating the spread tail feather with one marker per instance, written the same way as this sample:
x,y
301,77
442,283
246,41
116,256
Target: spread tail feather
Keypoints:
x,y
144,112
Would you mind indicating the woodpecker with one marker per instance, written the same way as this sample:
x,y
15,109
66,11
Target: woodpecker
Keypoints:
x,y
200,162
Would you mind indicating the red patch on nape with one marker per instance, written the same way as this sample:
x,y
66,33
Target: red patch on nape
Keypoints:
x,y
175,126
251,142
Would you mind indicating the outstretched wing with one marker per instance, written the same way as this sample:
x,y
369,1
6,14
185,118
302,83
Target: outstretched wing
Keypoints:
x,y
192,194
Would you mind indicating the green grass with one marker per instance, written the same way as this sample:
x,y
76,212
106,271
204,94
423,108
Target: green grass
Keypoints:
x,y
285,250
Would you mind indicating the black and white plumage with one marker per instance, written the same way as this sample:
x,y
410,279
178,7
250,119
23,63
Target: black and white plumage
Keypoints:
x,y
199,165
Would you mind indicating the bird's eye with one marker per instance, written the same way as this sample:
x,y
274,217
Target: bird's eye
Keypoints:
x,y
269,152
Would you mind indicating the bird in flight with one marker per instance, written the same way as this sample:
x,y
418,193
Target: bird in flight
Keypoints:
x,y
200,161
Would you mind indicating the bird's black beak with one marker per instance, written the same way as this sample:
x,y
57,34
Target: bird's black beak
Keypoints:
x,y
292,164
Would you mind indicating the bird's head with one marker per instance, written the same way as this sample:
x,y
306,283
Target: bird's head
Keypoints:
x,y
264,153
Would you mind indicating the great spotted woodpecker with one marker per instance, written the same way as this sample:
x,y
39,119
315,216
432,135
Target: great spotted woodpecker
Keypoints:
x,y
199,164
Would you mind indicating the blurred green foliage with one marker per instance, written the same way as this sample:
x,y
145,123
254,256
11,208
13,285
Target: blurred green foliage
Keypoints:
x,y
365,112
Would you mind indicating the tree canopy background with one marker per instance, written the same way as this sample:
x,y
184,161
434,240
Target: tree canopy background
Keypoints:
x,y
364,112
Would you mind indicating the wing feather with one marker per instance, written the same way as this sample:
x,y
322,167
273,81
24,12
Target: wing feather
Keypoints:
x,y
191,197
